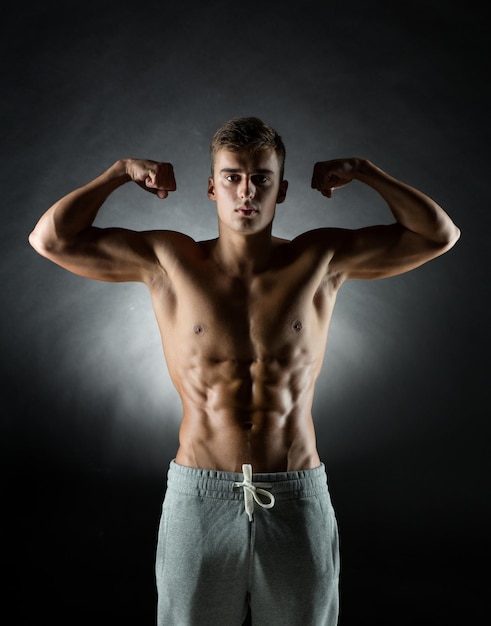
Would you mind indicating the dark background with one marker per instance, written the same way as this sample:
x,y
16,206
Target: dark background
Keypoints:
x,y
89,418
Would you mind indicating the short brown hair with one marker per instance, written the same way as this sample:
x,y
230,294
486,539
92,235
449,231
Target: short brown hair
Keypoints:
x,y
250,134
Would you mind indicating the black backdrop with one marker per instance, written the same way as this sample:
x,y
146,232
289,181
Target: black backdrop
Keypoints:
x,y
89,418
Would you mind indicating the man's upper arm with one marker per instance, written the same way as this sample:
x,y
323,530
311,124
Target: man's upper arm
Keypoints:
x,y
371,252
380,251
109,254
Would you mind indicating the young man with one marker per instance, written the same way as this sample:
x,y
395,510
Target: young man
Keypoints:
x,y
247,518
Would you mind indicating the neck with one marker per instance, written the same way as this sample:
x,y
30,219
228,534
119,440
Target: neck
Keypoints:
x,y
241,255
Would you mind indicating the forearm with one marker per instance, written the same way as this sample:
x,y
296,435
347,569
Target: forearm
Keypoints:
x,y
411,208
76,211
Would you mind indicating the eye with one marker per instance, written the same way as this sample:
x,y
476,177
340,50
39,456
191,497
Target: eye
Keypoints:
x,y
233,178
260,179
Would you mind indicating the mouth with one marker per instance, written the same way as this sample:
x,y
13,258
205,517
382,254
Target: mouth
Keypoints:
x,y
246,210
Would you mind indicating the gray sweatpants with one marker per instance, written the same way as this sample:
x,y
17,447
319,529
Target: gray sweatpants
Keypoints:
x,y
212,560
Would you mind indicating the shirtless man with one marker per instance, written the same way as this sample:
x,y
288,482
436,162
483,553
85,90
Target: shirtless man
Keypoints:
x,y
244,321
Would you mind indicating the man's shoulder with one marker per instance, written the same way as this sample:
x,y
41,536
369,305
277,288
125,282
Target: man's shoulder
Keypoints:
x,y
172,238
327,238
170,245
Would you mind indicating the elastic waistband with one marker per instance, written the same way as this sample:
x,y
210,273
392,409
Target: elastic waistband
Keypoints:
x,y
218,484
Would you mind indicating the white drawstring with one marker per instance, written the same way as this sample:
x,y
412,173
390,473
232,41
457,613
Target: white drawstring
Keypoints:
x,y
252,490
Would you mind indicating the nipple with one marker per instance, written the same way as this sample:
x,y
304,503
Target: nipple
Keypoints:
x,y
198,329
297,326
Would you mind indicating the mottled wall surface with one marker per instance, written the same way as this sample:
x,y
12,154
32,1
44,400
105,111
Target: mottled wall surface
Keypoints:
x,y
89,417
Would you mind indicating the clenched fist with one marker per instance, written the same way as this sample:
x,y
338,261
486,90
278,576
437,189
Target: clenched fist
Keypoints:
x,y
331,175
153,176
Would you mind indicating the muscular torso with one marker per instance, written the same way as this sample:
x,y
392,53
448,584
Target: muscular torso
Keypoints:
x,y
244,354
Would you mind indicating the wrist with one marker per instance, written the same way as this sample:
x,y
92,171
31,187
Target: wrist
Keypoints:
x,y
361,168
120,170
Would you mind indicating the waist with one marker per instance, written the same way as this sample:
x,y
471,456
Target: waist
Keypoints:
x,y
225,442
220,484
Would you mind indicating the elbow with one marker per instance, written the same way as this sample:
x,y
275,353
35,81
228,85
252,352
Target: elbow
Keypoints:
x,y
34,241
40,243
453,237
448,237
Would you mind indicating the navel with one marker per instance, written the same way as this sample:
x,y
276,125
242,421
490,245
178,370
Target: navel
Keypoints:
x,y
297,326
198,329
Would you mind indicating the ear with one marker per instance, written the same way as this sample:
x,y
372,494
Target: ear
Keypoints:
x,y
282,192
211,189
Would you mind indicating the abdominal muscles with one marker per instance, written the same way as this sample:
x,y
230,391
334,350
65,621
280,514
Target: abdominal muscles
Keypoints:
x,y
254,411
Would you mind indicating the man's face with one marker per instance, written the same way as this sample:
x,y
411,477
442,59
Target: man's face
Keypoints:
x,y
246,188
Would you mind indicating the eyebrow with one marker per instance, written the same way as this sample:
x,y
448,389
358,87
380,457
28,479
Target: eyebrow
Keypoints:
x,y
237,170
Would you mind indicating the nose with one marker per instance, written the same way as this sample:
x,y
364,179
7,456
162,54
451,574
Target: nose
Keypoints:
x,y
247,190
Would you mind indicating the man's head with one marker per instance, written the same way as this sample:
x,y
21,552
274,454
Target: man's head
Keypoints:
x,y
247,134
246,178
